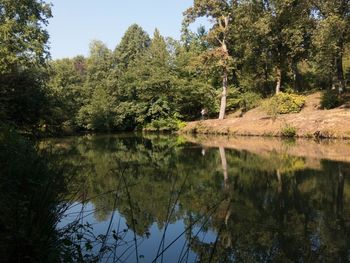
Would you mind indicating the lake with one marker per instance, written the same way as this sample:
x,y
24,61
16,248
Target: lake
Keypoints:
x,y
153,198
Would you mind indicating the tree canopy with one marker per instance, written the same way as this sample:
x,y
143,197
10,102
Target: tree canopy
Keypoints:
x,y
23,56
252,50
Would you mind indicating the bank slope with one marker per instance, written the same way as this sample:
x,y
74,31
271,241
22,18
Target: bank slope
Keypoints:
x,y
310,122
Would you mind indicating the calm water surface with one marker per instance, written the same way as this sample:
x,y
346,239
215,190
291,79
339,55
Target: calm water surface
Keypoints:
x,y
166,199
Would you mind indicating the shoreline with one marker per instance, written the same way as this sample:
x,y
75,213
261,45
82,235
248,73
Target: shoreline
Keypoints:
x,y
310,122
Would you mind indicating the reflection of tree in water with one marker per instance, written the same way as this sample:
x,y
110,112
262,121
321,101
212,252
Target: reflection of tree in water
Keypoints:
x,y
267,207
279,220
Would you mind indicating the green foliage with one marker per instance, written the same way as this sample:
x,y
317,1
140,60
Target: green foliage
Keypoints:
x,y
165,125
23,53
269,38
288,131
98,115
194,91
249,100
233,98
98,94
67,78
284,103
302,45
24,98
216,60
23,38
330,39
134,42
330,100
242,100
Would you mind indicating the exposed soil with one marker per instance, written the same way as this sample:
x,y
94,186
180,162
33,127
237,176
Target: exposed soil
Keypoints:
x,y
311,122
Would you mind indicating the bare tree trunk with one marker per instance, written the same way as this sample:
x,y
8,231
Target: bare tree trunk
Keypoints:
x,y
296,76
223,97
266,74
224,81
278,79
224,164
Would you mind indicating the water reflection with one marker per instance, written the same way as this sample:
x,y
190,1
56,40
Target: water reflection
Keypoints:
x,y
163,198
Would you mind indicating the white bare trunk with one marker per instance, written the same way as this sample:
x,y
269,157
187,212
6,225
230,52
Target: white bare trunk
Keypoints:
x,y
279,80
224,80
223,97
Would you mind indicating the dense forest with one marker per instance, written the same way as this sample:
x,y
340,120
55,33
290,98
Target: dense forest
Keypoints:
x,y
253,50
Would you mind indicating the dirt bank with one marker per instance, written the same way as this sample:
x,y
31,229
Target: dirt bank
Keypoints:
x,y
310,122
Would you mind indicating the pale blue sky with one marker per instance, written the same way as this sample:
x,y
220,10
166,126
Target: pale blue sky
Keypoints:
x,y
77,22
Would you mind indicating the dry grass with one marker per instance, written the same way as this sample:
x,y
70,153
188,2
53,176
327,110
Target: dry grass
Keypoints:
x,y
310,122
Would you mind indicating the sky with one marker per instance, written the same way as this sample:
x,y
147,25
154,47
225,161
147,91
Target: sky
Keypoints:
x,y
76,23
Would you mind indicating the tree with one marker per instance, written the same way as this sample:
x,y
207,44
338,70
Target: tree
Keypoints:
x,y
134,42
220,13
66,88
23,39
98,109
99,62
332,34
152,80
286,27
23,53
195,91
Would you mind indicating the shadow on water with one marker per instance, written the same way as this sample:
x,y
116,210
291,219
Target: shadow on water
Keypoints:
x,y
174,199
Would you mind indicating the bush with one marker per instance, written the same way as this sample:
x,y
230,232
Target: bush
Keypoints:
x,y
165,125
233,99
288,131
283,103
330,100
249,100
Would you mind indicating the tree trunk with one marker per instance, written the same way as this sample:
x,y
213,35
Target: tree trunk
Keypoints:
x,y
266,74
340,73
278,79
223,97
224,83
296,77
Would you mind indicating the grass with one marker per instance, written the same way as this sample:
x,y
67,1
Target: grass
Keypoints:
x,y
288,131
30,201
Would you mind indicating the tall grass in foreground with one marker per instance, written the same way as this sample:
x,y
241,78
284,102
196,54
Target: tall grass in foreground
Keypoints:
x,y
31,195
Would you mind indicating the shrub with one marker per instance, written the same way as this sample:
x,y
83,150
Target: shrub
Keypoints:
x,y
249,100
288,131
246,101
165,125
233,99
283,103
330,100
